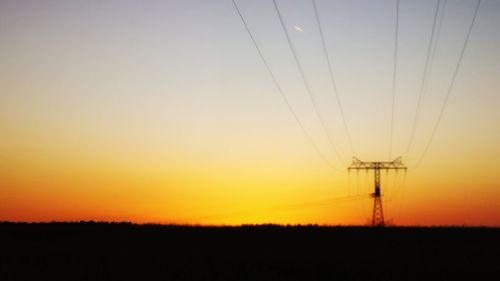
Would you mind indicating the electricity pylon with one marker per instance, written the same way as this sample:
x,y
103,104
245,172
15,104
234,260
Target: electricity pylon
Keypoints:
x,y
397,164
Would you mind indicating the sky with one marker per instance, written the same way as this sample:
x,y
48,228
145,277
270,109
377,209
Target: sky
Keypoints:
x,y
163,112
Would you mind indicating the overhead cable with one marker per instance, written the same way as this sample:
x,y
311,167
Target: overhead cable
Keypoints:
x,y
452,83
306,84
394,71
280,90
424,79
332,78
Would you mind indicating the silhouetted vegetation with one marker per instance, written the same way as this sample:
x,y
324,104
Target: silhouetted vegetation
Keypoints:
x,y
126,251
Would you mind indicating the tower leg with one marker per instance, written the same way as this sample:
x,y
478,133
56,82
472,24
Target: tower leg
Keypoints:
x,y
378,213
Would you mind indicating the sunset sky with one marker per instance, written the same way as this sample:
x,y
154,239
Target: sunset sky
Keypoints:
x,y
163,111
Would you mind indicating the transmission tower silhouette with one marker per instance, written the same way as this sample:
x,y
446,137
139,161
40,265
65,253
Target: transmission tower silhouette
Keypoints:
x,y
397,164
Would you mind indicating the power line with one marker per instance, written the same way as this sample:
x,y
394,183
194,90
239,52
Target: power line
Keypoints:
x,y
402,195
332,79
440,23
289,207
452,83
424,78
306,83
280,90
394,77
438,30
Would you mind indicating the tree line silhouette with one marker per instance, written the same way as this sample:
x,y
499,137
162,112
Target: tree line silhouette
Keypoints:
x,y
88,250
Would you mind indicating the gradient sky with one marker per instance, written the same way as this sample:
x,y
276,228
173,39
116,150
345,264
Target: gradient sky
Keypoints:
x,y
162,111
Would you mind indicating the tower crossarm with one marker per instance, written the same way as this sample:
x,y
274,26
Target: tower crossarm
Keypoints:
x,y
357,164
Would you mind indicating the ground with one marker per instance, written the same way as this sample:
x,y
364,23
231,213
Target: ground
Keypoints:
x,y
123,251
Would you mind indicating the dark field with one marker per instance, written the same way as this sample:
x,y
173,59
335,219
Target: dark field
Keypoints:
x,y
91,251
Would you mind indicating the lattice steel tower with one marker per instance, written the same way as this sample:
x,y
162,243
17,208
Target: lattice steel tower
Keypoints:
x,y
397,164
